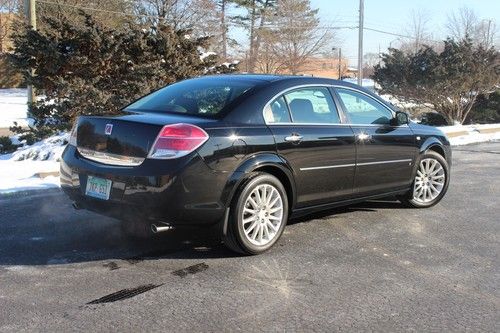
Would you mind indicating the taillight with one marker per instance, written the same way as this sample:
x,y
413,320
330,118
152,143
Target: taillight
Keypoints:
x,y
72,136
177,140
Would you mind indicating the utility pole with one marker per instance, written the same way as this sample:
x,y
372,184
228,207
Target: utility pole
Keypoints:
x,y
340,63
30,13
488,35
360,42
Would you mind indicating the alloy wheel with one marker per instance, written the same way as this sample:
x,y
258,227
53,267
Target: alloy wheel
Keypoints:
x,y
429,181
262,214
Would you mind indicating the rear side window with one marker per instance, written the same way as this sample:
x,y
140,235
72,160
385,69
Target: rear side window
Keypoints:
x,y
312,105
361,109
277,112
198,97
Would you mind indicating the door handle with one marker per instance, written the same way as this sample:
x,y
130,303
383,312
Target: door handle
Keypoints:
x,y
294,138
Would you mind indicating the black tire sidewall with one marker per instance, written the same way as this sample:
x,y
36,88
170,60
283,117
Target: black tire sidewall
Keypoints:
x,y
444,164
237,226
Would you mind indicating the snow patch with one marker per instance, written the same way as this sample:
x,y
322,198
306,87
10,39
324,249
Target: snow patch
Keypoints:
x,y
13,107
204,55
469,134
33,166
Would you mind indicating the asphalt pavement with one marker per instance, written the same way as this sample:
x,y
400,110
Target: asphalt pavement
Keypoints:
x,y
374,266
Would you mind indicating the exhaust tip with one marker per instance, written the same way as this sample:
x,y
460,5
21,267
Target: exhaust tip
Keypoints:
x,y
160,228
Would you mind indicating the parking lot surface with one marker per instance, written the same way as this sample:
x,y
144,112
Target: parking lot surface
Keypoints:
x,y
374,266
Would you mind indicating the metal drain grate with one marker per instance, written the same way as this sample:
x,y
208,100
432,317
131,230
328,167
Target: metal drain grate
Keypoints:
x,y
124,294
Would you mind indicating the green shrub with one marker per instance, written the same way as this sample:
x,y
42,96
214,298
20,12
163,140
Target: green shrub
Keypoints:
x,y
6,145
486,110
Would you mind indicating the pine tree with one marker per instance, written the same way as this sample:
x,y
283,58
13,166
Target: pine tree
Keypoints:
x,y
92,69
450,80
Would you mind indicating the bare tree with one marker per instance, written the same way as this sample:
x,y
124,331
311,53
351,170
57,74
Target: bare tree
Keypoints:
x,y
7,10
486,32
107,12
200,16
417,30
222,40
222,12
256,15
462,23
269,61
296,33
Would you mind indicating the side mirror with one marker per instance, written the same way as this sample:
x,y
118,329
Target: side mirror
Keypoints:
x,y
401,118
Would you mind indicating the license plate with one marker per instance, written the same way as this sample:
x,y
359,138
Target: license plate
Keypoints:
x,y
98,187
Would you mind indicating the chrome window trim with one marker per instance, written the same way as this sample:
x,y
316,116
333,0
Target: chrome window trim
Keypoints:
x,y
109,158
393,113
338,111
355,164
283,92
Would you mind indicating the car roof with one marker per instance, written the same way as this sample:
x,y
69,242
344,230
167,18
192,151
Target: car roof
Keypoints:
x,y
272,78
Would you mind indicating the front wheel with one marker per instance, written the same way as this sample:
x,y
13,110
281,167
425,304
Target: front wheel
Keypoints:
x,y
258,215
430,183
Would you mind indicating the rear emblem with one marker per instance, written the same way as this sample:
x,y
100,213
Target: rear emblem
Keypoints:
x,y
108,129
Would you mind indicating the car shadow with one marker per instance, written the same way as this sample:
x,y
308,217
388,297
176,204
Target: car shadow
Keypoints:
x,y
91,237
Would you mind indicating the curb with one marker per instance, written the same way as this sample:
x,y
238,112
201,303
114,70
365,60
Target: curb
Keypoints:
x,y
29,193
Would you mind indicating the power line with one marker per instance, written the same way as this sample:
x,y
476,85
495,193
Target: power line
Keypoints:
x,y
398,35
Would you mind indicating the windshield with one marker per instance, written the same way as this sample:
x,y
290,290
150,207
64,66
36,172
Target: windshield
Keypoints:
x,y
205,98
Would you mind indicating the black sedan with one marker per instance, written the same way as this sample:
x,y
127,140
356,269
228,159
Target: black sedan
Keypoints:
x,y
246,153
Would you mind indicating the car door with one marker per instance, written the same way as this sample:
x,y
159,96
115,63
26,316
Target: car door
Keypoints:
x,y
385,153
320,149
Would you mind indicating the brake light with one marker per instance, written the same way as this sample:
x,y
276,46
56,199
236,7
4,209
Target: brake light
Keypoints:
x,y
177,140
72,136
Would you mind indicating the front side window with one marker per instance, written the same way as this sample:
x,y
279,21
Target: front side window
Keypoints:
x,y
198,97
312,105
361,109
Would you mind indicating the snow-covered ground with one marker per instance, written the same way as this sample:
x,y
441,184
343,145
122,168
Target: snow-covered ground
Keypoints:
x,y
460,135
32,167
13,107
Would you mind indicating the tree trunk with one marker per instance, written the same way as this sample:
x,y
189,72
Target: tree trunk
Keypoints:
x,y
224,29
251,51
259,30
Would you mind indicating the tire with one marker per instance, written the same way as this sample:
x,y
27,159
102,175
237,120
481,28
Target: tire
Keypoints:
x,y
428,187
255,226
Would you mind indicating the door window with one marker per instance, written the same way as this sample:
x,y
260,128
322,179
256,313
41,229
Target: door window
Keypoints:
x,y
312,105
277,112
361,109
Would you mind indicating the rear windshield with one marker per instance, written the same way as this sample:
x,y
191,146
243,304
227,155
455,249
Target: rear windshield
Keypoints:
x,y
198,97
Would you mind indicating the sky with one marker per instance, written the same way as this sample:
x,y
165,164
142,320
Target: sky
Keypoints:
x,y
393,16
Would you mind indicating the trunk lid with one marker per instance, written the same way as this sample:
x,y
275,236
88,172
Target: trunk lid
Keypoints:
x,y
125,139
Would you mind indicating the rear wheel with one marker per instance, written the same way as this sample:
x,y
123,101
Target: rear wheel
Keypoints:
x,y
430,183
258,215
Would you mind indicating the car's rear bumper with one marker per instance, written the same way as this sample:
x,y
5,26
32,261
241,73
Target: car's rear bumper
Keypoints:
x,y
183,191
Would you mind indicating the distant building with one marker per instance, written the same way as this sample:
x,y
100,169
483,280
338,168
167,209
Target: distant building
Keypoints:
x,y
326,67
315,66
